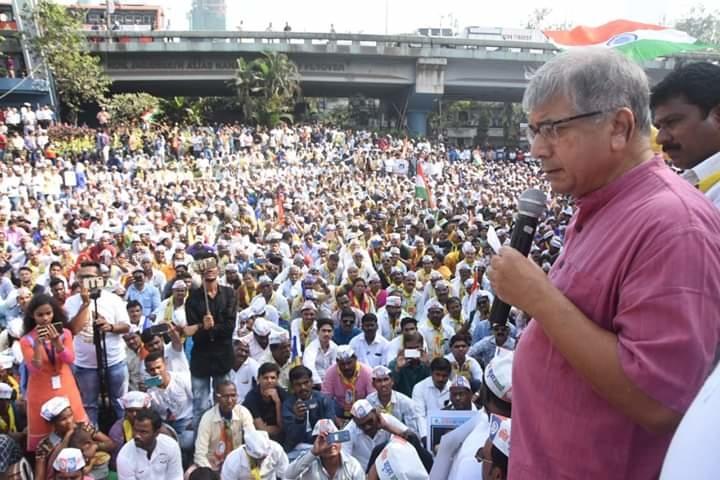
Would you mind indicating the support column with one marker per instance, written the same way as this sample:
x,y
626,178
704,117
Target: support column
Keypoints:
x,y
429,85
417,123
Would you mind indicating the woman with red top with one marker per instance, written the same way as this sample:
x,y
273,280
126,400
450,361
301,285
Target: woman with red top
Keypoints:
x,y
48,353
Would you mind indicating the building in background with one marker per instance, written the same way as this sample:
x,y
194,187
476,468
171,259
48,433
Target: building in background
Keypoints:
x,y
135,15
208,15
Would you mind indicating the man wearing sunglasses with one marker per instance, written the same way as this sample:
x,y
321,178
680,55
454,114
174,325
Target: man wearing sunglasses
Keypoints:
x,y
625,327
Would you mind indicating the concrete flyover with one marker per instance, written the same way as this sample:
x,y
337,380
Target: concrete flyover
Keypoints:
x,y
411,71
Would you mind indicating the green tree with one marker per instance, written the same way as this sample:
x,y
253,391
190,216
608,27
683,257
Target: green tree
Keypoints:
x,y
702,24
267,88
129,107
58,40
512,116
182,110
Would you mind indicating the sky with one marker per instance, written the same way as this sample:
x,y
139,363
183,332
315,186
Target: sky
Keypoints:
x,y
404,16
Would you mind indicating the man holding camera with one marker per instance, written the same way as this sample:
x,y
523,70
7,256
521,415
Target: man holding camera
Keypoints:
x,y
110,316
210,312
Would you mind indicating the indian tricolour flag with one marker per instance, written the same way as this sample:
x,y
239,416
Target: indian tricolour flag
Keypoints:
x,y
422,187
640,41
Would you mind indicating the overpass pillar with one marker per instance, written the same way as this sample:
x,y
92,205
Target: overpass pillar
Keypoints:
x,y
429,86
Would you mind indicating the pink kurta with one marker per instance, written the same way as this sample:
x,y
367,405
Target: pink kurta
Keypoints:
x,y
642,260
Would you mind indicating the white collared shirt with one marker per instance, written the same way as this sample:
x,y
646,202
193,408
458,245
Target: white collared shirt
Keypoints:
x,y
703,170
319,360
112,308
243,377
178,316
176,400
384,327
256,351
164,463
361,446
372,354
470,364
401,407
295,329
175,361
428,399
430,334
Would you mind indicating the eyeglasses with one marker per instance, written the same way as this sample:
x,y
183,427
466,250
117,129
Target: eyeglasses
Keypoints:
x,y
548,129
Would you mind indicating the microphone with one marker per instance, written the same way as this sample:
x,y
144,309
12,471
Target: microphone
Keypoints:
x,y
531,205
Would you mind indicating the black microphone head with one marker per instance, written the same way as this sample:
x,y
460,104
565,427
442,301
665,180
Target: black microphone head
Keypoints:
x,y
532,203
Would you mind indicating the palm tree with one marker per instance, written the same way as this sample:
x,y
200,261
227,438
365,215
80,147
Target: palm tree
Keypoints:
x,y
267,88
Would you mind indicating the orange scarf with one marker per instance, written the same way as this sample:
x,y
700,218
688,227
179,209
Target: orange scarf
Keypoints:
x,y
350,388
225,445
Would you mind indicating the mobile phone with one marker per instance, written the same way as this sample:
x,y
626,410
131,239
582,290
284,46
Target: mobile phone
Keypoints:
x,y
92,283
338,437
58,327
161,329
153,382
412,353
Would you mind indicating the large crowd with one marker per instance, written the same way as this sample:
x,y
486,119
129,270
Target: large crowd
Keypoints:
x,y
310,302
229,301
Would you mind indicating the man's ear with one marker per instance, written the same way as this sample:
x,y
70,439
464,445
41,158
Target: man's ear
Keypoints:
x,y
714,116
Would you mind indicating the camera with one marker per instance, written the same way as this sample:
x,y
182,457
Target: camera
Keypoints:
x,y
201,266
94,286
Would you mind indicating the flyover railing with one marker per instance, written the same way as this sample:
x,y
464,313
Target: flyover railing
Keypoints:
x,y
306,39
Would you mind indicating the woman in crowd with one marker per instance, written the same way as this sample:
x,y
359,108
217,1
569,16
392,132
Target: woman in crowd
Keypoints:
x,y
48,354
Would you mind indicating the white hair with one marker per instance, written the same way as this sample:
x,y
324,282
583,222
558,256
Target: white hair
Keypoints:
x,y
593,79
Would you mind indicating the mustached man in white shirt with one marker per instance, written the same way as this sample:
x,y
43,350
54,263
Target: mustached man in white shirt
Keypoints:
x,y
686,112
151,454
370,347
320,354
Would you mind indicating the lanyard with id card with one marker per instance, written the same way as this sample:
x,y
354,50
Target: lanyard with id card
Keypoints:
x,y
55,382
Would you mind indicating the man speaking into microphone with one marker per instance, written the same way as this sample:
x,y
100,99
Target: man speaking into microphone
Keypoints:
x,y
626,325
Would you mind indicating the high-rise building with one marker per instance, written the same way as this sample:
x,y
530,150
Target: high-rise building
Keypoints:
x,y
208,15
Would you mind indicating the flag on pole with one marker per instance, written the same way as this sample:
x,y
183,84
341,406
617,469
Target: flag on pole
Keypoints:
x,y
422,187
639,41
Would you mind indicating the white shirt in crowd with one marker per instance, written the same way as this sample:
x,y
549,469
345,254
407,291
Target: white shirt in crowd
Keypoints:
x,y
361,446
692,450
703,171
178,314
470,364
237,464
319,360
372,354
111,308
164,463
428,399
244,378
256,351
309,467
175,361
401,407
175,401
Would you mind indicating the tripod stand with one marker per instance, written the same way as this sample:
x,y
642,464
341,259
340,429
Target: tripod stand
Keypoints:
x,y
106,412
